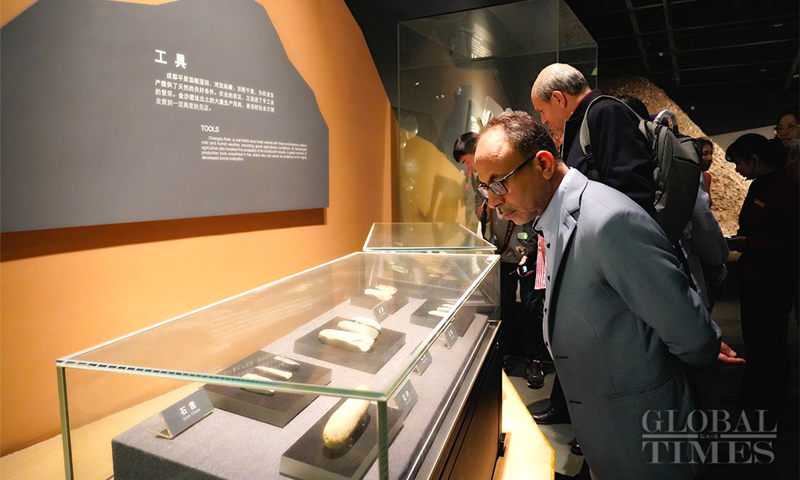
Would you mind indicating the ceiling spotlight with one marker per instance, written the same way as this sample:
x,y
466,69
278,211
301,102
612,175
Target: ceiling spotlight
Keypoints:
x,y
691,108
416,84
660,54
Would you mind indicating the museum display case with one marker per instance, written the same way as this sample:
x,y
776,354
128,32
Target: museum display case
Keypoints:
x,y
447,237
458,70
333,373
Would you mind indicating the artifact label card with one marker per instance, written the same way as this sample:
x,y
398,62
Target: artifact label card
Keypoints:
x,y
449,337
423,364
185,413
405,398
381,311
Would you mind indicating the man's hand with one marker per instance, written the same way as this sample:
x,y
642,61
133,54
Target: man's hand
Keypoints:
x,y
522,269
727,354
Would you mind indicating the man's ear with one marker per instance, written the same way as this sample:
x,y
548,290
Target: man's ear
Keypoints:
x,y
559,98
546,163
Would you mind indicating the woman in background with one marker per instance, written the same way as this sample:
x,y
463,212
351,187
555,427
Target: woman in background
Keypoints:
x,y
768,240
787,127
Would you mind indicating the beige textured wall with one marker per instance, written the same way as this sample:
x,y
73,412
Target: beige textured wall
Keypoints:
x,y
728,188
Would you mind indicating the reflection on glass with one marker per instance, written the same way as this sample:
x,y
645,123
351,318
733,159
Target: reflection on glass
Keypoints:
x,y
425,237
458,70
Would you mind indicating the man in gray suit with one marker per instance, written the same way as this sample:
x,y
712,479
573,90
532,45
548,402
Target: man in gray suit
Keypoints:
x,y
620,318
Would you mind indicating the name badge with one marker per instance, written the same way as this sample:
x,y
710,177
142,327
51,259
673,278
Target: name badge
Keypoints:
x,y
380,311
405,398
182,415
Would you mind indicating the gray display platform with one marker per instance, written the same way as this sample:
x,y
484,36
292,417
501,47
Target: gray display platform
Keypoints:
x,y
385,346
309,459
277,409
211,449
229,446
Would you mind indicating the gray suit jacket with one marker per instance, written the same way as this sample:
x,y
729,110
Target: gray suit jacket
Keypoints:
x,y
620,319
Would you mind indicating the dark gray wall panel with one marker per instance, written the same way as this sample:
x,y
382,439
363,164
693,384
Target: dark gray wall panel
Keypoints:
x,y
85,141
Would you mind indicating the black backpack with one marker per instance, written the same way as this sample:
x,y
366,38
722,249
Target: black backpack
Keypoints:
x,y
676,169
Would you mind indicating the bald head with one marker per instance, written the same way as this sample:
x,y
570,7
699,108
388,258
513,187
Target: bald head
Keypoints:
x,y
562,77
556,93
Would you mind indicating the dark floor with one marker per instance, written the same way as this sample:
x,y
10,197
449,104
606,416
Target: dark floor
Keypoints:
x,y
715,385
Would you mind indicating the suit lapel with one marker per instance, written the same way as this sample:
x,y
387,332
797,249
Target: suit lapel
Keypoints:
x,y
567,224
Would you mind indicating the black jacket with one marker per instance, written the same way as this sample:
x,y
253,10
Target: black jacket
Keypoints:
x,y
622,157
769,220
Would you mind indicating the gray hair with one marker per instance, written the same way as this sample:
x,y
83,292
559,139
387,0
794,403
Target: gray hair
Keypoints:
x,y
562,77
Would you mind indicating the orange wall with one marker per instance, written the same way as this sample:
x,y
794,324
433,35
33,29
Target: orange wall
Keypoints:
x,y
65,290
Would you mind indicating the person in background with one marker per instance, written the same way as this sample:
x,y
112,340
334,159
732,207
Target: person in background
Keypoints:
x,y
793,174
513,243
636,105
793,163
768,240
621,154
706,159
464,153
705,250
703,244
787,127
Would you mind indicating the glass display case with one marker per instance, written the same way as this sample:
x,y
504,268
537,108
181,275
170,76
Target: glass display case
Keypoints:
x,y
353,369
437,236
458,70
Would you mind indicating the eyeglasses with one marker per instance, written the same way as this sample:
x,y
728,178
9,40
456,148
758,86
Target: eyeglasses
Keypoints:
x,y
787,128
498,187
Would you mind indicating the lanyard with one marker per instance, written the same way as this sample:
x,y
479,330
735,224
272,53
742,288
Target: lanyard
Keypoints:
x,y
509,231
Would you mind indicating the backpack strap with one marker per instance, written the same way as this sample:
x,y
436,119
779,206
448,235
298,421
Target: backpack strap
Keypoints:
x,y
586,141
583,134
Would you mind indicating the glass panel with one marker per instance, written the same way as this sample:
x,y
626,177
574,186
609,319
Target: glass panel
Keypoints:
x,y
440,236
439,312
457,71
204,344
575,45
